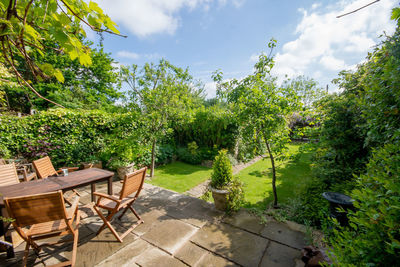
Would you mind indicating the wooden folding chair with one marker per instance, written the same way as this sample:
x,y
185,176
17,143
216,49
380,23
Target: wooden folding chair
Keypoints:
x,y
44,168
47,217
8,174
133,182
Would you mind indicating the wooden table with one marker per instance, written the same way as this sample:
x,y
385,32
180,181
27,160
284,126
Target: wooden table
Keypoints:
x,y
65,183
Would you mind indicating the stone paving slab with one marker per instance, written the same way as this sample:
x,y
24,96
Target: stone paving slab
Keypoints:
x,y
127,255
244,220
211,259
240,246
281,233
155,257
278,255
94,250
190,253
170,235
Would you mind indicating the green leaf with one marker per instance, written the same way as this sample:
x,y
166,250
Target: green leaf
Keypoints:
x,y
59,76
85,59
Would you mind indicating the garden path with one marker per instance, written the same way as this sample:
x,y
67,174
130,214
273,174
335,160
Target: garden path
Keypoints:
x,y
178,230
200,189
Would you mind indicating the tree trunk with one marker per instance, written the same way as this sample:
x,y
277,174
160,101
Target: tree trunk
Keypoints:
x,y
153,158
273,174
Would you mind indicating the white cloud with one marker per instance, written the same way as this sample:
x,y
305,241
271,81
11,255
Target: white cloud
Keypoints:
x,y
332,63
210,89
135,56
325,43
147,17
127,54
254,58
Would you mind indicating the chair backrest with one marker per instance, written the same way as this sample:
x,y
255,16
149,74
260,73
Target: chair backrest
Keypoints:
x,y
8,175
44,168
133,182
33,209
3,162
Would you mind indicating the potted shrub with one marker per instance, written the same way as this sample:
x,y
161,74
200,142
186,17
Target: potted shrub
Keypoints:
x,y
221,178
122,161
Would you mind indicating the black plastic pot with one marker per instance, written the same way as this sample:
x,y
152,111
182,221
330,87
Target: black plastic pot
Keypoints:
x,y
338,200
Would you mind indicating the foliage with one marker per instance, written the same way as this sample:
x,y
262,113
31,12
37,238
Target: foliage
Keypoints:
x,y
89,87
162,93
165,153
67,136
211,127
307,90
222,171
26,25
373,238
235,195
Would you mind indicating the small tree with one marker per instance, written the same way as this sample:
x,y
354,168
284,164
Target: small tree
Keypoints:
x,y
261,108
162,93
222,170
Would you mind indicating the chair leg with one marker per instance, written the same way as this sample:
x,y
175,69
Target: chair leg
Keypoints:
x,y
134,212
107,223
74,248
26,254
122,214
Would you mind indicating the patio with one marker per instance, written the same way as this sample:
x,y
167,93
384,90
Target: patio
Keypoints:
x,y
178,230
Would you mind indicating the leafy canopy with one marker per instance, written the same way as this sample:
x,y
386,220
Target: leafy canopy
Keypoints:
x,y
25,25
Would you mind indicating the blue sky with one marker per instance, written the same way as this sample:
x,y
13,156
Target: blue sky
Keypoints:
x,y
206,35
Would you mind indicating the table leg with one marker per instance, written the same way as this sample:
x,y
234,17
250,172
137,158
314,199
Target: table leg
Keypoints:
x,y
110,186
93,189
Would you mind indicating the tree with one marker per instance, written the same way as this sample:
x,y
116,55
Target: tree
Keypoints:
x,y
25,25
90,87
261,107
307,90
162,93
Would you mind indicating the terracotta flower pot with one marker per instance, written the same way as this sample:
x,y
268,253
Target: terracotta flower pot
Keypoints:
x,y
220,198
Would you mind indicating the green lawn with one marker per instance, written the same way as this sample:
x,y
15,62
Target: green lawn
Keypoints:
x,y
291,177
179,176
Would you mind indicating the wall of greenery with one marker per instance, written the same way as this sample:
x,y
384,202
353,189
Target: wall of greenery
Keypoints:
x,y
70,136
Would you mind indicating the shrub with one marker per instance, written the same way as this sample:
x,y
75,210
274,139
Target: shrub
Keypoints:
x,y
235,196
222,171
67,136
373,238
165,154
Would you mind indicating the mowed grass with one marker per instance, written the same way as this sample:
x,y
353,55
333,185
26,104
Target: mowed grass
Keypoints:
x,y
179,176
292,175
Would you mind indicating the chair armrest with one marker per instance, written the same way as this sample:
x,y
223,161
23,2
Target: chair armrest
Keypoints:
x,y
107,196
71,210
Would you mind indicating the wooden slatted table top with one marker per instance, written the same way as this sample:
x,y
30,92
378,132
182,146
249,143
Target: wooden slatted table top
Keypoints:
x,y
72,180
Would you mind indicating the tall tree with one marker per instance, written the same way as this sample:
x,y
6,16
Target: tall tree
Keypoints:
x,y
261,107
25,25
162,92
95,86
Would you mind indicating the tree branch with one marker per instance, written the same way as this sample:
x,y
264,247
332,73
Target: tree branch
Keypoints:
x,y
88,24
20,76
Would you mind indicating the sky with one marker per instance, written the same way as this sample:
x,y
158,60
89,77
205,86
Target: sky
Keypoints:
x,y
228,35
